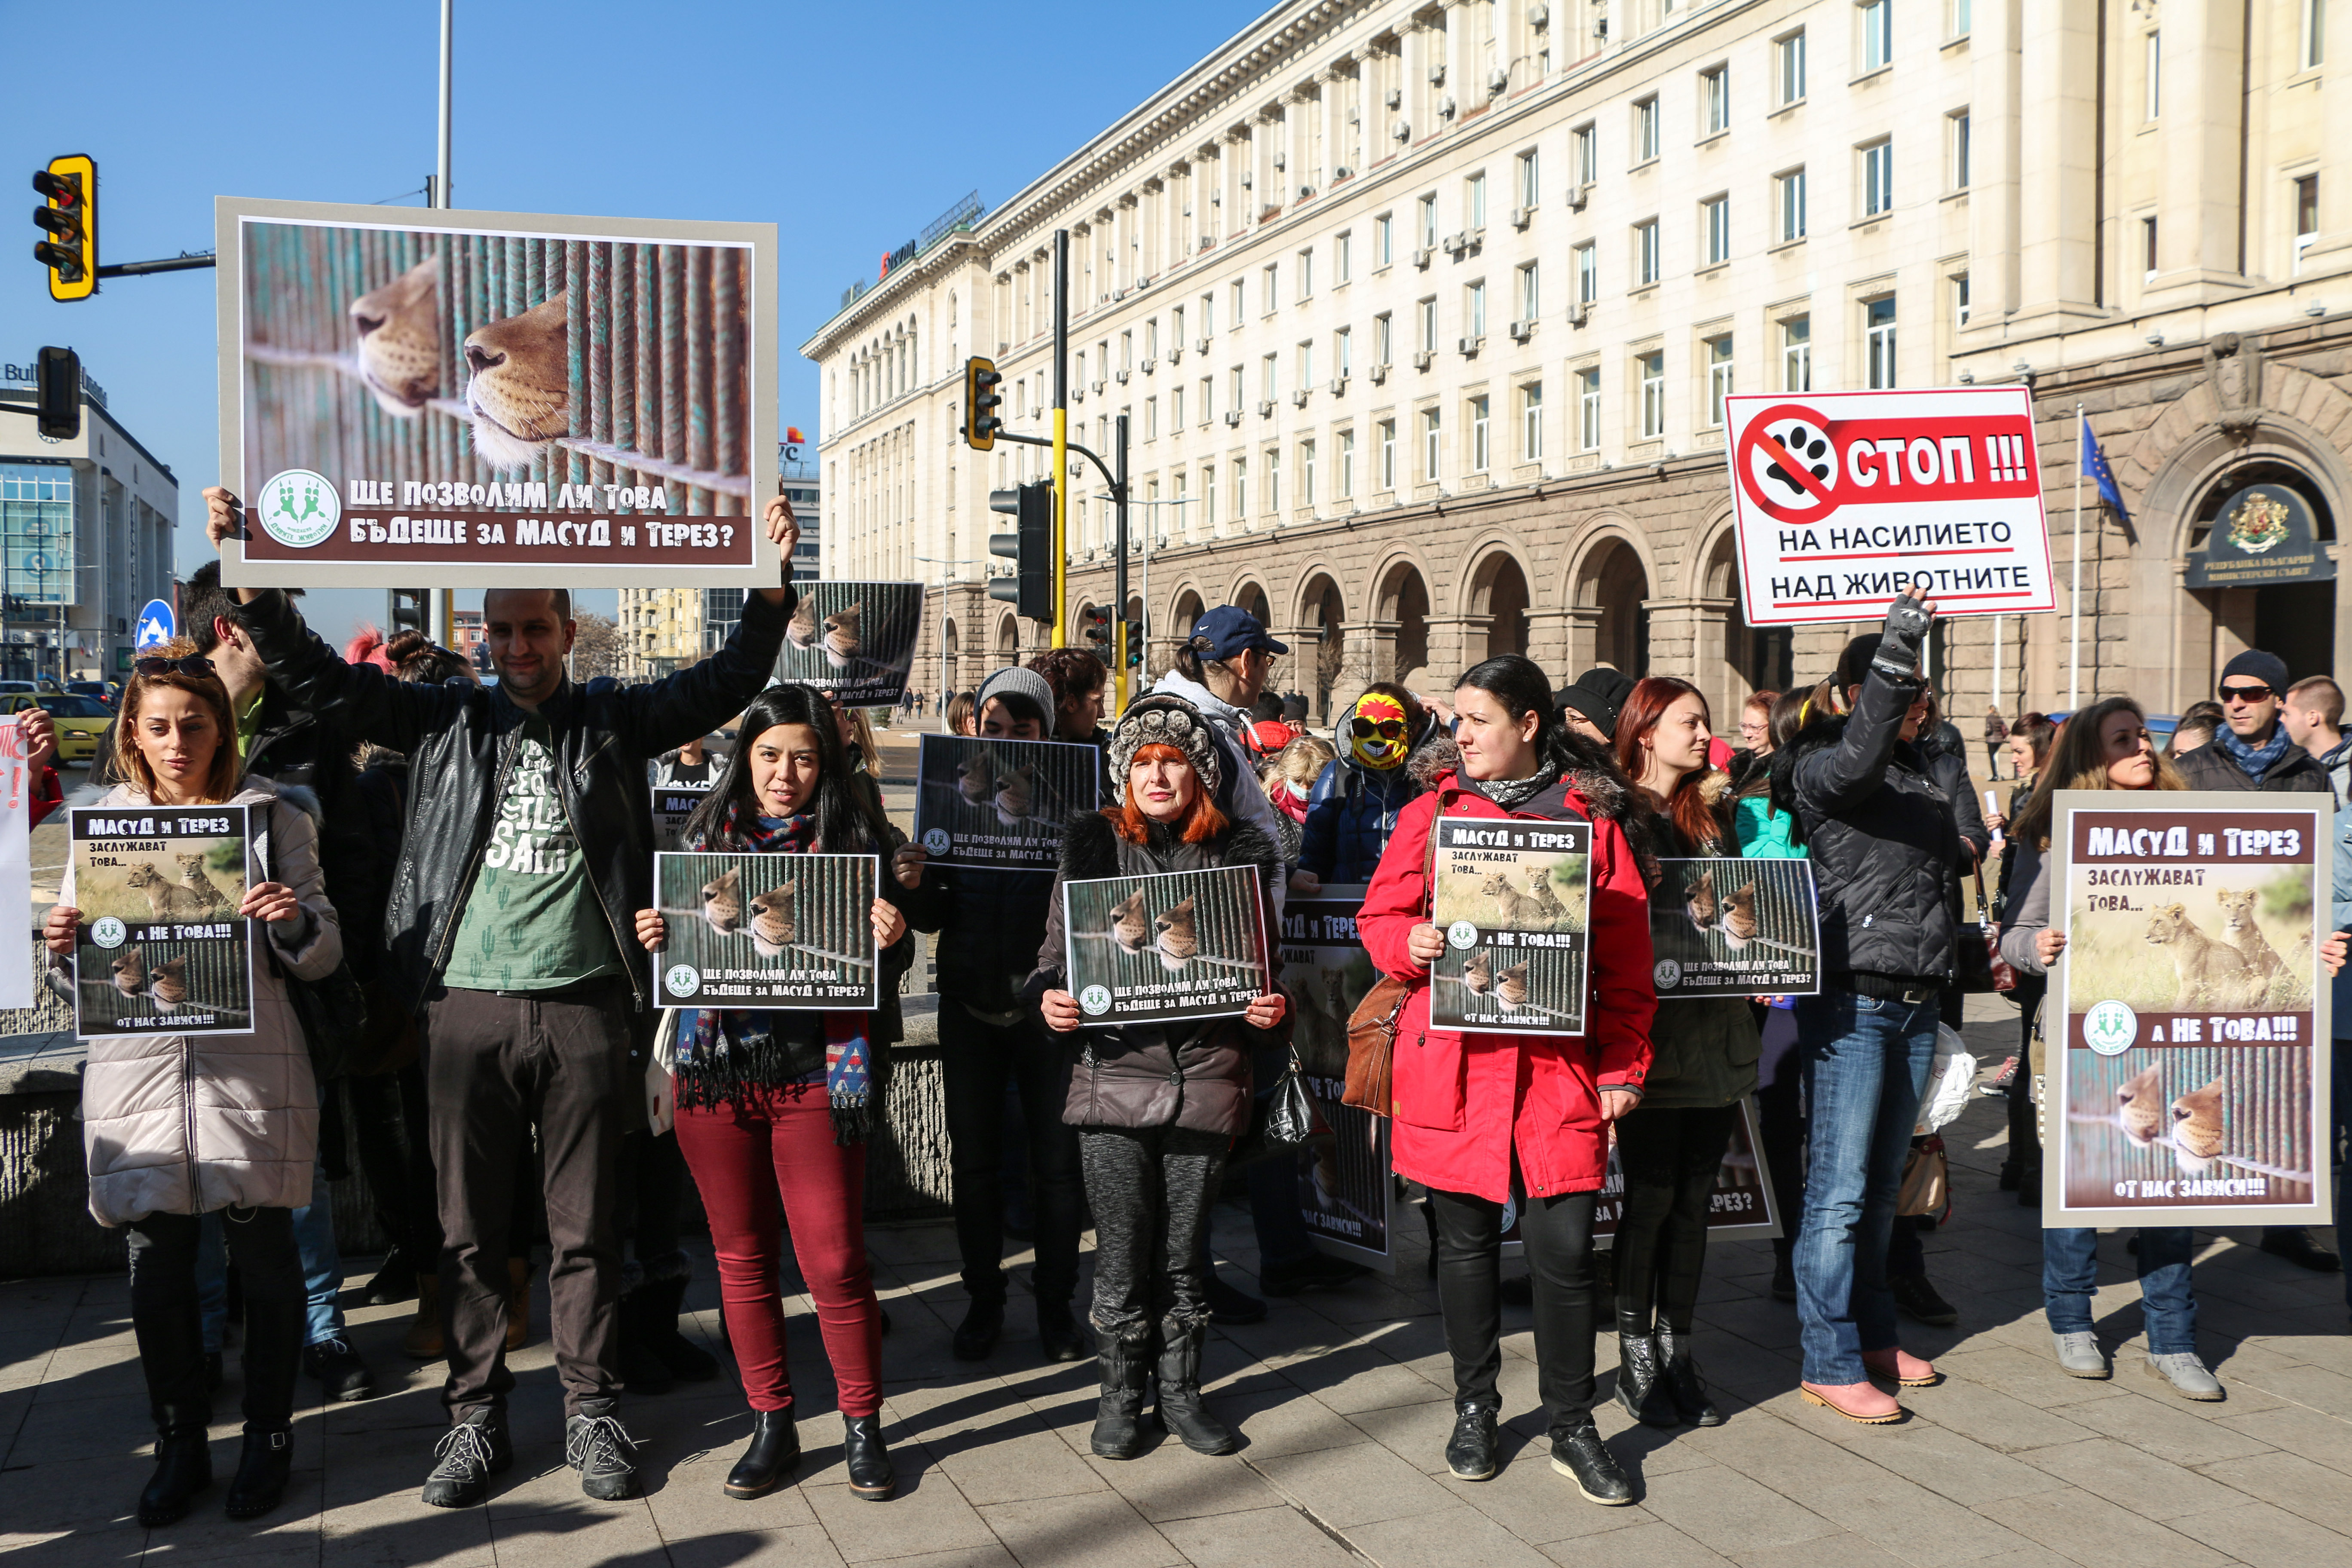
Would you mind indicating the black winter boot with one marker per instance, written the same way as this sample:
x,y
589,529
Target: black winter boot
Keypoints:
x,y
261,1472
1640,1380
1681,1382
686,1361
1181,1410
1118,1419
183,1467
871,1474
775,1450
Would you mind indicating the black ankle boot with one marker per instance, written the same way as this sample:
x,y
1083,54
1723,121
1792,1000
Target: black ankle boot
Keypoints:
x,y
1681,1382
870,1476
1181,1410
261,1472
1641,1383
183,1467
774,1450
1118,1419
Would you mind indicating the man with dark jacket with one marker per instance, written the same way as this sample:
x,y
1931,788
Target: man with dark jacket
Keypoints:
x,y
1885,849
2254,751
990,924
527,854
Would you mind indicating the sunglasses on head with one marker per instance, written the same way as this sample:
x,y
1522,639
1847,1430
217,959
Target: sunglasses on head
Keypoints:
x,y
1364,729
2245,693
195,664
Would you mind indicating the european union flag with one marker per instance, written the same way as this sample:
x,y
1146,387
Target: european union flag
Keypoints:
x,y
2094,464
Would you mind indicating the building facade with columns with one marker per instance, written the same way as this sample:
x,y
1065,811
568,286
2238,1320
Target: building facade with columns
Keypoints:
x,y
1421,317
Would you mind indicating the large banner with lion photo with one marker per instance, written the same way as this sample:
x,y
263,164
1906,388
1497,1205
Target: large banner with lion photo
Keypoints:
x,y
2190,1010
476,399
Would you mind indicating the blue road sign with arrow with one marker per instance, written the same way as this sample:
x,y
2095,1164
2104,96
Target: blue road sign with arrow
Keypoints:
x,y
155,625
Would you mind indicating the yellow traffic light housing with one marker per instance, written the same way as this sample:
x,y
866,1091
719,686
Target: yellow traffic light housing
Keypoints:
x,y
70,222
979,403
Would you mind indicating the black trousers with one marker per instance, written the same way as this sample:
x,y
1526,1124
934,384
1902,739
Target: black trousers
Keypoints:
x,y
497,1064
977,1060
1558,1237
1151,1188
1669,1158
1781,1120
163,1315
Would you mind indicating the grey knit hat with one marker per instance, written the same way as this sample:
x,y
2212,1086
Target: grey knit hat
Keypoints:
x,y
1015,681
1164,721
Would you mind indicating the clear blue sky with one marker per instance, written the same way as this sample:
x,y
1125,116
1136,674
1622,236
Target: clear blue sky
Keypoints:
x,y
848,126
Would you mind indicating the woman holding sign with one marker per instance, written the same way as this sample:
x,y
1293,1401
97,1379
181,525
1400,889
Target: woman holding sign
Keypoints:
x,y
1490,1122
1704,1064
178,1126
1157,1106
773,1101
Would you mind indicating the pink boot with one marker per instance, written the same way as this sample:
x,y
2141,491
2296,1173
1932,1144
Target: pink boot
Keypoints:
x,y
1862,1401
1900,1367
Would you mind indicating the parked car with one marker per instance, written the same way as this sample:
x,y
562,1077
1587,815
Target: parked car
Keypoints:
x,y
80,720
104,691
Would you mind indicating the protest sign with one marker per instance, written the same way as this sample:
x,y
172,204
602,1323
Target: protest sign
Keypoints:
x,y
1344,1190
1729,927
477,399
768,931
1512,899
673,803
160,948
854,641
2190,1079
1838,496
1001,804
18,784
1168,946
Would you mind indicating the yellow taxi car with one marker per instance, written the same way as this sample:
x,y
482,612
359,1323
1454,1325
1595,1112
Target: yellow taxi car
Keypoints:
x,y
80,720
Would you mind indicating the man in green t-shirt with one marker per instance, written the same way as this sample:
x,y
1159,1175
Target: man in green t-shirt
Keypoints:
x,y
529,850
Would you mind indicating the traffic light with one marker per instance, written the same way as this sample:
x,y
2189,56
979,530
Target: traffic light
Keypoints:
x,y
68,223
1032,589
979,403
1094,626
58,403
1134,644
406,611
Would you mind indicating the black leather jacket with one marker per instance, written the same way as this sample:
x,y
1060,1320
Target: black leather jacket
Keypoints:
x,y
461,741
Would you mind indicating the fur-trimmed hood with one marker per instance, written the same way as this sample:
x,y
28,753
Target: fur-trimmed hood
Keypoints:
x,y
1090,847
1593,774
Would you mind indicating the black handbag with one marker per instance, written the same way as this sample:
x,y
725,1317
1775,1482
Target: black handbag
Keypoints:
x,y
1282,1120
1978,967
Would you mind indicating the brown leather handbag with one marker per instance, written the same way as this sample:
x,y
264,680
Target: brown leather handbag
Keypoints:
x,y
1372,1030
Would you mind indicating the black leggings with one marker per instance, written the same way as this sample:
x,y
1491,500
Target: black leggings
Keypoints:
x,y
1669,1158
1558,1237
163,1315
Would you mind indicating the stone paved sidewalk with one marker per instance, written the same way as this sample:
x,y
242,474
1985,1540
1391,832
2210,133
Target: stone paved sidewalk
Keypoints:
x,y
1343,1402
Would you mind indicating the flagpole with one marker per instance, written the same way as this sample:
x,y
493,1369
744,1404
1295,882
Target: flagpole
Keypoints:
x,y
2074,638
1996,663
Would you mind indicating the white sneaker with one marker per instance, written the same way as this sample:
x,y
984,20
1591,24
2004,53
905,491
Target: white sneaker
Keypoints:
x,y
2079,1356
2187,1375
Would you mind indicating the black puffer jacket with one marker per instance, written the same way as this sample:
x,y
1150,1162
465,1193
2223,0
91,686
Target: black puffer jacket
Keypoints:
x,y
1194,1075
988,924
1885,850
461,741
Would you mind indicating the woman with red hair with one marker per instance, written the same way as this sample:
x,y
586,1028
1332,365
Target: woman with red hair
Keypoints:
x,y
1702,1065
1157,1106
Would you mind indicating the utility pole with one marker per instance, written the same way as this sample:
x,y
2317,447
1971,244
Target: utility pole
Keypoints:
x,y
1118,572
1061,437
444,601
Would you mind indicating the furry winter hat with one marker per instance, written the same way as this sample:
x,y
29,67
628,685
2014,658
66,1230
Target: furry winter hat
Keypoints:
x,y
1168,721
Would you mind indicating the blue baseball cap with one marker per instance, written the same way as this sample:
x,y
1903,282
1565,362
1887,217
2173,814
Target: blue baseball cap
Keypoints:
x,y
1232,631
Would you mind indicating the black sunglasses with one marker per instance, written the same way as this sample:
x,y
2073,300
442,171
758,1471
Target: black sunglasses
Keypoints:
x,y
195,664
2245,693
1387,728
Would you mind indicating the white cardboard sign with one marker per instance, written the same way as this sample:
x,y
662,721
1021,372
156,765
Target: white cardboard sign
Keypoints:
x,y
1838,496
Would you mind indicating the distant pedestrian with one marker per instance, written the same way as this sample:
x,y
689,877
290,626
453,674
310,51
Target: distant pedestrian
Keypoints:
x,y
1996,736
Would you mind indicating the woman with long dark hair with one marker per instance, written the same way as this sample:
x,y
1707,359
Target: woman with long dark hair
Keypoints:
x,y
1702,1065
779,1104
1157,1106
1492,1122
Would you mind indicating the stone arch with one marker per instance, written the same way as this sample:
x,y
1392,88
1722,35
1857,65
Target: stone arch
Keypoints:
x,y
1495,599
1399,641
1322,610
2202,450
1008,640
1611,579
952,655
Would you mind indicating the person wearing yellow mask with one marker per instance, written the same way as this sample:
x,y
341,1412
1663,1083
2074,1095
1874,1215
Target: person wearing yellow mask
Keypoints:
x,y
1354,806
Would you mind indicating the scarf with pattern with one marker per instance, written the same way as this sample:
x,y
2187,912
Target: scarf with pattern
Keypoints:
x,y
721,1052
2254,761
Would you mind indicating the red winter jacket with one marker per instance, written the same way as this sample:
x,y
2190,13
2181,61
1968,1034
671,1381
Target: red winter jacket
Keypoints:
x,y
1467,1102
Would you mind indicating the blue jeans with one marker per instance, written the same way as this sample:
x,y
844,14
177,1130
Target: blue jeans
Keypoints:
x,y
1866,1061
323,1271
2070,1277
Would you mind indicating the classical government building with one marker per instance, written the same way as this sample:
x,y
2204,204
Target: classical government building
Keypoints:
x,y
1424,315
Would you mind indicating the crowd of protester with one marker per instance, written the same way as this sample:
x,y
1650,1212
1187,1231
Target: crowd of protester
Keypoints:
x,y
479,857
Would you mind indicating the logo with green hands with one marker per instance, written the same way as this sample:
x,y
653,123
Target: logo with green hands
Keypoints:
x,y
2110,1029
298,509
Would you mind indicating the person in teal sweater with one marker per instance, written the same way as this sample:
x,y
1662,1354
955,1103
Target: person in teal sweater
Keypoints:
x,y
1767,833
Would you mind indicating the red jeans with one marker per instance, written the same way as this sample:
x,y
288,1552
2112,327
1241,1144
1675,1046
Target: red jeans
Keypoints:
x,y
783,1140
